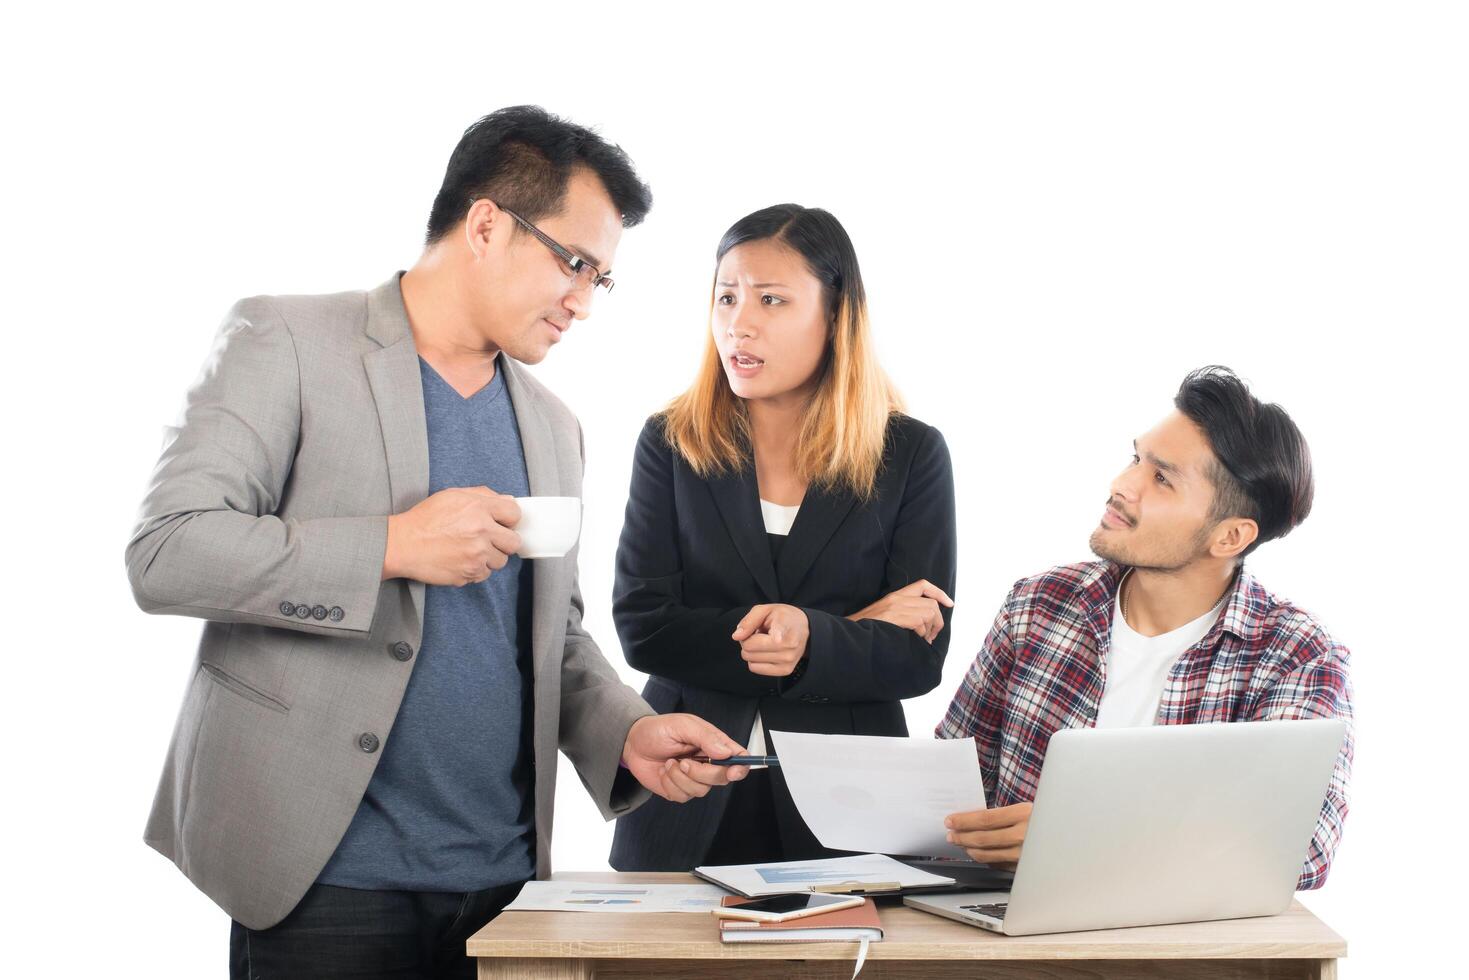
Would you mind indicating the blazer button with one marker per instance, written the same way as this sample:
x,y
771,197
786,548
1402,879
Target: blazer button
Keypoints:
x,y
402,651
303,612
336,614
318,612
288,609
368,742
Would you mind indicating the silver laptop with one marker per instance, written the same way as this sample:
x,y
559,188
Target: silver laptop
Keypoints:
x,y
1175,823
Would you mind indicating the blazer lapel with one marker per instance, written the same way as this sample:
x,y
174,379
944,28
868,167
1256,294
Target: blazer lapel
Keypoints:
x,y
549,594
737,497
821,513
397,390
535,432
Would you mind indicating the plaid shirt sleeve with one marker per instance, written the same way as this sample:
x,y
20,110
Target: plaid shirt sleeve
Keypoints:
x,y
978,706
1315,683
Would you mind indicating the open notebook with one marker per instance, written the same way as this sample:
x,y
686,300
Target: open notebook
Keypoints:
x,y
854,875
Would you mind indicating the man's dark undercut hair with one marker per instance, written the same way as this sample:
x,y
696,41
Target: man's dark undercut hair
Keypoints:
x,y
521,158
1262,467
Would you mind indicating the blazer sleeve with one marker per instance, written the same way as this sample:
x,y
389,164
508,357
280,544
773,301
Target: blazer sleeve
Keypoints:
x,y
207,542
597,710
870,660
660,634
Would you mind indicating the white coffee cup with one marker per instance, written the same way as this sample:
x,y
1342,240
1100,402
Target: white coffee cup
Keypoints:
x,y
548,526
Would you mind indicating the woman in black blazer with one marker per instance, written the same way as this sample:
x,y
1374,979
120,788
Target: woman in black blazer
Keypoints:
x,y
789,545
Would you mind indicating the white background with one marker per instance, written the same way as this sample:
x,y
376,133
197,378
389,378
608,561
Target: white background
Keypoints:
x,y
1059,208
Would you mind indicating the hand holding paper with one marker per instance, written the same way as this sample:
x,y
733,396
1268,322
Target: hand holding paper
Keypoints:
x,y
991,836
882,795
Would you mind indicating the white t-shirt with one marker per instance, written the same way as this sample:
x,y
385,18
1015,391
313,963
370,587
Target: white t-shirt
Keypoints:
x,y
1138,666
778,520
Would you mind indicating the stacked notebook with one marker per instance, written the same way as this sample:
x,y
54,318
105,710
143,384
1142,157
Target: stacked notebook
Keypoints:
x,y
858,923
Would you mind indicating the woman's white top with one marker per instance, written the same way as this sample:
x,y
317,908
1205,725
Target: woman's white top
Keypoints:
x,y
778,520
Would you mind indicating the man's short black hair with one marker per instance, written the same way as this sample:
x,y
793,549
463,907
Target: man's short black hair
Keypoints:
x,y
521,158
1263,465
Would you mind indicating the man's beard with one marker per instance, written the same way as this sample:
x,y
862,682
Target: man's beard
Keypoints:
x,y
1171,561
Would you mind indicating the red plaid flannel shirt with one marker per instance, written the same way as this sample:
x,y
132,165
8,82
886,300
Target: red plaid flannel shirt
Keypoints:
x,y
1043,668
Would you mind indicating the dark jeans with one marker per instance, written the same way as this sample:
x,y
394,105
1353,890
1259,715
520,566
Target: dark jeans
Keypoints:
x,y
353,932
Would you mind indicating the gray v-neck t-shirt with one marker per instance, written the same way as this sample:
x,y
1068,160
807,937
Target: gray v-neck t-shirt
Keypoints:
x,y
450,807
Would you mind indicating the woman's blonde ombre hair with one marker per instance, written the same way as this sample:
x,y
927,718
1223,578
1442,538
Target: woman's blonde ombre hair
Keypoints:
x,y
843,432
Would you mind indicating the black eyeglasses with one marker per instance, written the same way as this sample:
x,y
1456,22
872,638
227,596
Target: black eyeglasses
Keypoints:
x,y
582,271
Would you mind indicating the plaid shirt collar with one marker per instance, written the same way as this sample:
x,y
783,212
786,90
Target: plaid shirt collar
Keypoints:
x,y
1243,615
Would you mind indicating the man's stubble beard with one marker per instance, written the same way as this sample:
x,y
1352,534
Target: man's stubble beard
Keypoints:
x,y
1160,563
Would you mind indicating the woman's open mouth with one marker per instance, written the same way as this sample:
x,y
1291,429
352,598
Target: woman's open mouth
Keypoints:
x,y
745,365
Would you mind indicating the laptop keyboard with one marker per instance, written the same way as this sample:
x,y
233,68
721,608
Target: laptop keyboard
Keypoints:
x,y
995,911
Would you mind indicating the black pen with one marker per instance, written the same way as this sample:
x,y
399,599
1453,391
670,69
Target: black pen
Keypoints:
x,y
740,760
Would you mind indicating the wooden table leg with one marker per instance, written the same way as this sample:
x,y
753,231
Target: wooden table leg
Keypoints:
x,y
496,968
1327,970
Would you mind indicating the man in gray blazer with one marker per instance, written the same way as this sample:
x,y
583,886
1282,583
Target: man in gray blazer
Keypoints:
x,y
363,769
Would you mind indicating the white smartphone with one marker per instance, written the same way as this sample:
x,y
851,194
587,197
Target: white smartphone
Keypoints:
x,y
779,908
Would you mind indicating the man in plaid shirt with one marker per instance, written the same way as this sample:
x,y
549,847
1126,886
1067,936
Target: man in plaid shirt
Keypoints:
x,y
1169,628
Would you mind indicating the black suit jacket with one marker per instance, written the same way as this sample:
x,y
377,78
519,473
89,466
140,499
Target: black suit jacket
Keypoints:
x,y
694,558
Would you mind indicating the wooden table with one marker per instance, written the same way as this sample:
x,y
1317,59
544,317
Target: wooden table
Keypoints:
x,y
917,946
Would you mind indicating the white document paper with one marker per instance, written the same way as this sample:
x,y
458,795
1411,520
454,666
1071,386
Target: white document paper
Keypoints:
x,y
886,795
784,877
591,896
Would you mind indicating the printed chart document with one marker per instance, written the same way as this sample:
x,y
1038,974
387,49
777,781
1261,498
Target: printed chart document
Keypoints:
x,y
591,896
784,877
872,793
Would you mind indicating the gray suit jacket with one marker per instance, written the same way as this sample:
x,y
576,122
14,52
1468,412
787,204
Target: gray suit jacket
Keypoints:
x,y
267,517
